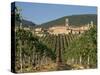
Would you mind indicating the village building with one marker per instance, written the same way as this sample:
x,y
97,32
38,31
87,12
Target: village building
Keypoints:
x,y
38,30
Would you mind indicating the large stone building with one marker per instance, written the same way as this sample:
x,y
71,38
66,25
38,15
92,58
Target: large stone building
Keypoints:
x,y
59,30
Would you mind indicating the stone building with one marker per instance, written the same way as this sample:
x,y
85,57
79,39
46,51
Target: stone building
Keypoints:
x,y
38,30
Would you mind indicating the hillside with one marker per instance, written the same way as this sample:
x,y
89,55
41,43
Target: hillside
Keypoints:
x,y
74,20
26,23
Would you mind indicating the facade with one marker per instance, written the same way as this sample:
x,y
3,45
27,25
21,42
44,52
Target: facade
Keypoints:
x,y
38,30
59,30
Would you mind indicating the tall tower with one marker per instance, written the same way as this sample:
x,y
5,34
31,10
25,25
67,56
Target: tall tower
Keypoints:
x,y
91,24
66,22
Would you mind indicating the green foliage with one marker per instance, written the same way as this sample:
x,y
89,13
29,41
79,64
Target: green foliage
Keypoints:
x,y
31,49
84,46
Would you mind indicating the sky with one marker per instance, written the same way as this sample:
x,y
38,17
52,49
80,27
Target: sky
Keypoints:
x,y
40,13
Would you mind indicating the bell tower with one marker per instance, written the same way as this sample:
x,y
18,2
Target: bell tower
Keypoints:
x,y
66,22
91,23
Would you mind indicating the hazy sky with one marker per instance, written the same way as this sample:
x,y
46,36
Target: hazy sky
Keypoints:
x,y
40,13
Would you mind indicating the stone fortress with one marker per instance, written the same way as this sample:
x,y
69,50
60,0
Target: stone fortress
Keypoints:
x,y
66,29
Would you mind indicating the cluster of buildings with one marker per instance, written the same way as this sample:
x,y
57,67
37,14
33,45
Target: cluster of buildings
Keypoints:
x,y
64,29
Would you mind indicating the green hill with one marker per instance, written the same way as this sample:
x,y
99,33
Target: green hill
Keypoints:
x,y
74,20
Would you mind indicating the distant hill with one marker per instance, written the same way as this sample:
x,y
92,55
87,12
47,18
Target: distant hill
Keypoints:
x,y
28,23
74,20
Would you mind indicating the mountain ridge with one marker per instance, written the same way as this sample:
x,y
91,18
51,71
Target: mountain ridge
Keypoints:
x,y
74,20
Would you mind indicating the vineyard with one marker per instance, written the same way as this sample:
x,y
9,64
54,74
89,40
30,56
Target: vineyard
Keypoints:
x,y
55,52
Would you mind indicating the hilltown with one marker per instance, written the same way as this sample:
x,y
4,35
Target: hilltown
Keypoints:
x,y
65,29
